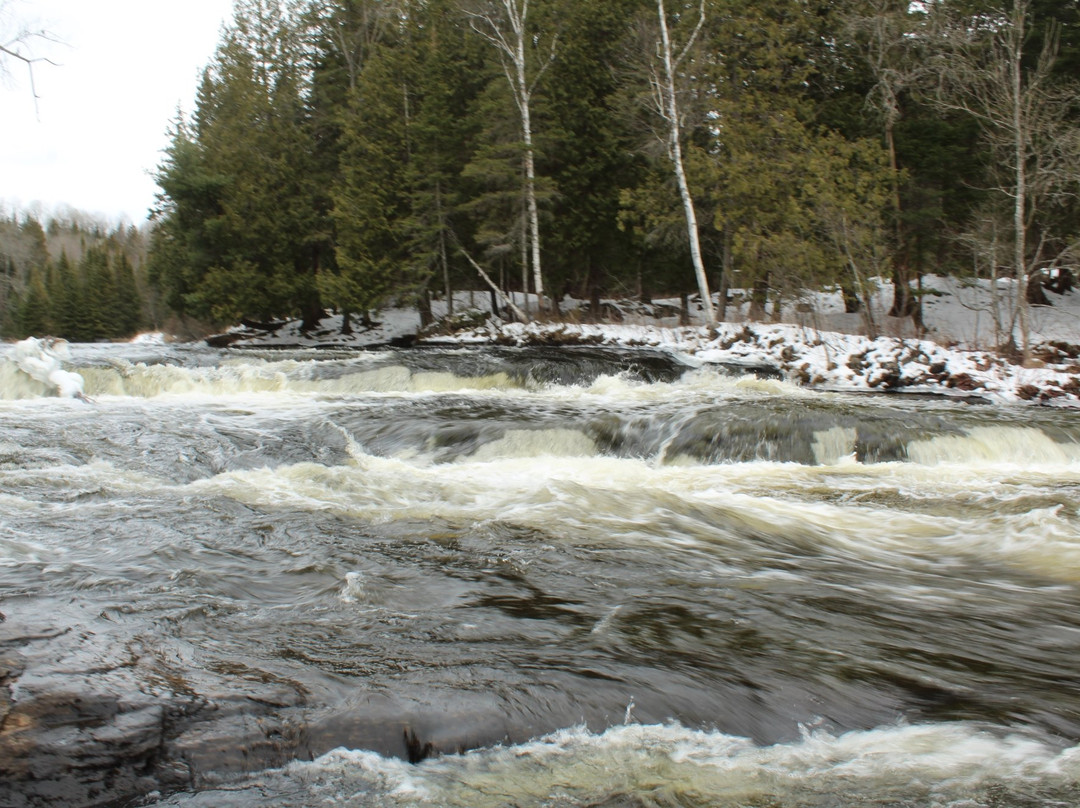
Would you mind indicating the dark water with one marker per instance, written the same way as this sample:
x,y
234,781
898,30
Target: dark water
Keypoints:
x,y
557,578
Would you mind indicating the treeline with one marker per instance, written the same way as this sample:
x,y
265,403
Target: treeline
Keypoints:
x,y
345,152
74,278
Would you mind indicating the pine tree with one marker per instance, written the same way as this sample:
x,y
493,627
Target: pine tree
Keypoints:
x,y
370,200
512,30
127,305
98,313
445,64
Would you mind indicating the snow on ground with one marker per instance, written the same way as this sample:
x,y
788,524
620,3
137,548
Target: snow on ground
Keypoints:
x,y
823,359
815,343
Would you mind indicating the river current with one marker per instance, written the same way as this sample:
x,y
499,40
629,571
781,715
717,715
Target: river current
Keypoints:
x,y
529,577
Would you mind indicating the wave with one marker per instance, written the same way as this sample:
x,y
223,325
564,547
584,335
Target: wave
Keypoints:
x,y
300,378
894,513
953,764
994,445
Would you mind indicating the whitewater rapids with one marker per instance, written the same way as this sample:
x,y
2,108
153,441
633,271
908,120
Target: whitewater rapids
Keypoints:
x,y
547,577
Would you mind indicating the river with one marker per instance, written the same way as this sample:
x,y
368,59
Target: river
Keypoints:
x,y
529,577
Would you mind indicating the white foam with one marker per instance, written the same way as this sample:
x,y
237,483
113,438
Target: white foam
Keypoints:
x,y
929,764
833,446
710,510
249,375
353,590
985,445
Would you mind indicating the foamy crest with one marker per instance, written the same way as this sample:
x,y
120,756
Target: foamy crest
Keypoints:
x,y
249,376
595,498
943,765
994,445
537,443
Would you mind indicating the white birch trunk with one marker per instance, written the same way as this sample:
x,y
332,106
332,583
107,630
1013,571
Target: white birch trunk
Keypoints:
x,y
675,152
1020,196
509,36
525,98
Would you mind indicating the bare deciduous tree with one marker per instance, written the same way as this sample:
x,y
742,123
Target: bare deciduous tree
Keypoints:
x,y
17,44
353,29
981,69
667,106
503,24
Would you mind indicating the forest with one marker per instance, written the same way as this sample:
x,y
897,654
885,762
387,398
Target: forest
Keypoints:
x,y
73,275
343,154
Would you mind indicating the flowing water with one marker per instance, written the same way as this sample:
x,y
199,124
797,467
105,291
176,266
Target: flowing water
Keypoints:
x,y
493,577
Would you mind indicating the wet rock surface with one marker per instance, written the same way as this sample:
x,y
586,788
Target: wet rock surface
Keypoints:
x,y
81,723
93,716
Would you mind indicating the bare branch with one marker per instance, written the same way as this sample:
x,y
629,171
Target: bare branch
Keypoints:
x,y
693,36
10,50
494,286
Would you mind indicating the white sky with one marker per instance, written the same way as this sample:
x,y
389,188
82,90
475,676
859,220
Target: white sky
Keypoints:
x,y
103,113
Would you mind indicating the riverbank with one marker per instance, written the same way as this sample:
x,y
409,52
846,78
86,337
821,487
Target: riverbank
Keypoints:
x,y
825,360
820,345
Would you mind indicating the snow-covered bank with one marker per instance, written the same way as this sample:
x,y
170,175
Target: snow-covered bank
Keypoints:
x,y
822,359
816,344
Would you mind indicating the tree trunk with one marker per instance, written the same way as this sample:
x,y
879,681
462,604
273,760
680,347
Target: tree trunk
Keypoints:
x,y
444,258
312,315
903,304
1036,294
509,36
530,192
759,297
675,152
852,304
1020,195
525,261
424,304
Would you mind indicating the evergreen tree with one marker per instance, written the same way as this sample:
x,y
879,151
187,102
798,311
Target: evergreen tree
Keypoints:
x,y
590,151
509,26
127,303
242,232
446,65
371,198
66,299
98,319
32,316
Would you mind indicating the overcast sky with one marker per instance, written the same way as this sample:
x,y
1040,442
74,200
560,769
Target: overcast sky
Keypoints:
x,y
104,111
